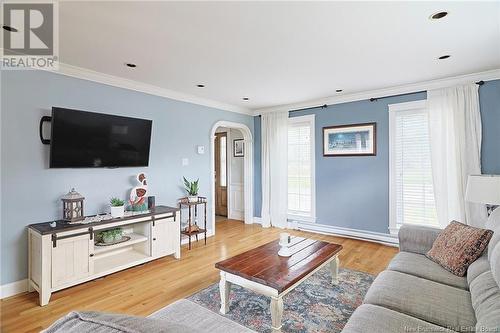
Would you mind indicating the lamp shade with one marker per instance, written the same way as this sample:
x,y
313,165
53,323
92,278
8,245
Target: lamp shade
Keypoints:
x,y
483,189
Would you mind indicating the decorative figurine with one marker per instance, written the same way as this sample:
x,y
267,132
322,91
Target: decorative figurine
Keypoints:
x,y
73,206
139,193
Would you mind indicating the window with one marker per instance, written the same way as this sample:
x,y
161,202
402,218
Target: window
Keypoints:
x,y
301,187
411,185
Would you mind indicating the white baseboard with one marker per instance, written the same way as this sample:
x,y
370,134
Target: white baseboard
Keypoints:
x,y
14,288
377,237
236,215
257,220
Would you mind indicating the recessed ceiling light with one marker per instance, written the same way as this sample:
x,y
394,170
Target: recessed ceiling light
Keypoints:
x,y
245,98
9,28
200,85
131,65
338,90
438,15
446,56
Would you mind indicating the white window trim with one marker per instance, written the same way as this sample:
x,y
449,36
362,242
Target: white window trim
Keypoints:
x,y
311,120
393,108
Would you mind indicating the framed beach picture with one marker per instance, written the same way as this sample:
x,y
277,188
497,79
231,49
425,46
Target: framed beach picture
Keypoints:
x,y
238,148
350,140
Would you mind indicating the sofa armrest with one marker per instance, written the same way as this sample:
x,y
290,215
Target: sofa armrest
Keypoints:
x,y
417,239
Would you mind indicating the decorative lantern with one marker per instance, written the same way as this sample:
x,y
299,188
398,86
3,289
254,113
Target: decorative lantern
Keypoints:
x,y
73,206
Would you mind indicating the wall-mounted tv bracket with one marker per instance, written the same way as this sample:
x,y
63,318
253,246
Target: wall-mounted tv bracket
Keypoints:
x,y
44,119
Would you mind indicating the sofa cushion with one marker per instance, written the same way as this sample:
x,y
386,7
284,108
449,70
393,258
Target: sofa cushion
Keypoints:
x,y
421,266
494,258
485,295
458,246
427,300
478,267
183,310
375,319
96,322
493,223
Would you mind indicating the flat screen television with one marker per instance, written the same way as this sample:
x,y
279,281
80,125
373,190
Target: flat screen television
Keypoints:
x,y
83,139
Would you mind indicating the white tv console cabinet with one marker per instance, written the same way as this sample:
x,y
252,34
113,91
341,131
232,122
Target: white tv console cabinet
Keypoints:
x,y
65,255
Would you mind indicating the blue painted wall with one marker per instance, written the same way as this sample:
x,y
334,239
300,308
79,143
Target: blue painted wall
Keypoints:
x,y
31,192
489,100
353,192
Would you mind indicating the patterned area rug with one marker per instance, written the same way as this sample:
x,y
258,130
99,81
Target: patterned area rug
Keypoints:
x,y
314,306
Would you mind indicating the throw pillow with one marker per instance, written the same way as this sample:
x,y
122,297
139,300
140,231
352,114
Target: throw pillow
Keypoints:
x,y
458,246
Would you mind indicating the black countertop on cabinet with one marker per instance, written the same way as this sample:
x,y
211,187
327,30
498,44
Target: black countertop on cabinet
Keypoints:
x,y
61,225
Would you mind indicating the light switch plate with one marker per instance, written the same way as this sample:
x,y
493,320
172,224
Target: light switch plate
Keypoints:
x,y
185,161
201,150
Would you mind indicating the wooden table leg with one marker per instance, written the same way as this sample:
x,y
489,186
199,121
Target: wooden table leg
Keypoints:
x,y
276,313
334,267
224,288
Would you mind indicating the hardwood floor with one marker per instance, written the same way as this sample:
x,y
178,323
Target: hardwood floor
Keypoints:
x,y
144,289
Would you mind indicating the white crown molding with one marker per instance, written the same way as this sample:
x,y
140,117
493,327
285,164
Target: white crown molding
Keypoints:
x,y
115,81
390,91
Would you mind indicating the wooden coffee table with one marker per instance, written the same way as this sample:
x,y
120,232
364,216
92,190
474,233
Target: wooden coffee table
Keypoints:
x,y
263,271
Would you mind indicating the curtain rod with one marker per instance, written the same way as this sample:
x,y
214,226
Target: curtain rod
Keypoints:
x,y
324,106
479,83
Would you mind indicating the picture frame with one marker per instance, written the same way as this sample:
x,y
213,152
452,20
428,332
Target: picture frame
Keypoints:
x,y
350,140
238,148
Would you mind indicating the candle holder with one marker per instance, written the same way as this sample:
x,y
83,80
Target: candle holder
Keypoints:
x,y
285,243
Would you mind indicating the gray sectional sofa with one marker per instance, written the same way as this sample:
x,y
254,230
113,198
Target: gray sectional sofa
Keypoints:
x,y
415,294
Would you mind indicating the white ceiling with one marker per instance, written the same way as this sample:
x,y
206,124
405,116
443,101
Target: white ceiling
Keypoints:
x,y
279,53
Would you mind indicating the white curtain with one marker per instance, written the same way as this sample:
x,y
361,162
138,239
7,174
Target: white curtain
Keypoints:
x,y
455,137
274,169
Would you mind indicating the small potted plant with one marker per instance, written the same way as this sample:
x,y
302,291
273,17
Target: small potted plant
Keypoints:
x,y
191,189
117,207
117,234
110,236
107,236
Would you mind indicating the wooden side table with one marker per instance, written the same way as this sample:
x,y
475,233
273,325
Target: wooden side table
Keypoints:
x,y
192,228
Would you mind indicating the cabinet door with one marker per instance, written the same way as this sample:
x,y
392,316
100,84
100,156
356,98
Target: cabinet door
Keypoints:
x,y
162,237
71,260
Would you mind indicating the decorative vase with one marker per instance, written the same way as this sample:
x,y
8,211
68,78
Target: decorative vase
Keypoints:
x,y
117,211
193,198
285,243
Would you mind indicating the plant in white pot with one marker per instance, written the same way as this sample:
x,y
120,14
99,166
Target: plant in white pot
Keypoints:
x,y
192,189
117,207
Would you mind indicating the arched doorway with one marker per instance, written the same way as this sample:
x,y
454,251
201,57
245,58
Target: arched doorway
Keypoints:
x,y
247,166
